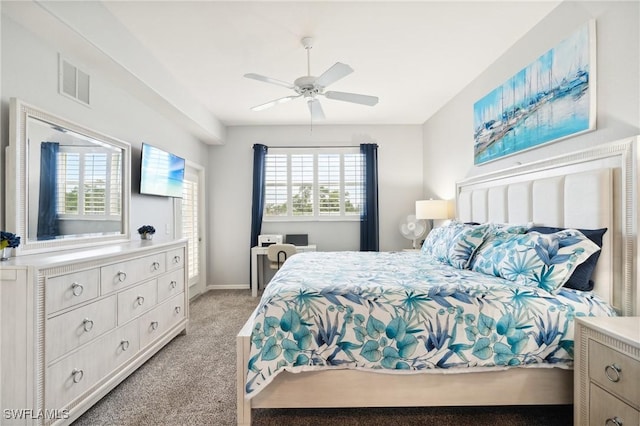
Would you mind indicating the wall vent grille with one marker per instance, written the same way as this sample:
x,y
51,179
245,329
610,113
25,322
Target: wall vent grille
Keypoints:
x,y
74,82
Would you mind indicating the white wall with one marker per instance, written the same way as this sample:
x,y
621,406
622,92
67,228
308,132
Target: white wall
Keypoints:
x,y
448,135
30,72
230,176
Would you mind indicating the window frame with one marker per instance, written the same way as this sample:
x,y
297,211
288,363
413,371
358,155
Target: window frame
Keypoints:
x,y
316,216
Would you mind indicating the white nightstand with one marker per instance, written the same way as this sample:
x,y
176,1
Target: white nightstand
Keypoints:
x,y
607,371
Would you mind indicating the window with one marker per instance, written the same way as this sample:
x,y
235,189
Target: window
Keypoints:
x,y
307,184
88,183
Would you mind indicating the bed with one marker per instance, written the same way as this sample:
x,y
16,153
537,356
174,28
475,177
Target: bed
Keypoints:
x,y
590,189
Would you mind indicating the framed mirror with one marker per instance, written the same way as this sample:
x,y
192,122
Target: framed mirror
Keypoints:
x,y
67,186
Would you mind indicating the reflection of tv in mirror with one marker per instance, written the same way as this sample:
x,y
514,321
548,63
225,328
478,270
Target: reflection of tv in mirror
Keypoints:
x,y
161,173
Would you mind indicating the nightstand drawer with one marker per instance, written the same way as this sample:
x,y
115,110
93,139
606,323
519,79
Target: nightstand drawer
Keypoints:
x,y
605,409
615,372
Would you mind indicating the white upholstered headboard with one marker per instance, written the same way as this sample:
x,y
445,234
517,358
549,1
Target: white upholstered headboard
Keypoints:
x,y
594,188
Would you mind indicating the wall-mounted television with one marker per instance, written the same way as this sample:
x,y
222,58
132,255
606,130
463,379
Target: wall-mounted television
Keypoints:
x,y
161,173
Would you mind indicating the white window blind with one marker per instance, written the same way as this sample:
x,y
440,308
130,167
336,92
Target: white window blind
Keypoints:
x,y
95,184
276,185
302,185
88,183
329,184
313,184
190,223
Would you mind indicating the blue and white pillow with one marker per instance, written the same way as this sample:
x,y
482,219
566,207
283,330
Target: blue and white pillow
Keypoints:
x,y
543,260
455,243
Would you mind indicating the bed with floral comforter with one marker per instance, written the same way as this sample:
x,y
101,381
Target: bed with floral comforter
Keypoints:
x,y
405,312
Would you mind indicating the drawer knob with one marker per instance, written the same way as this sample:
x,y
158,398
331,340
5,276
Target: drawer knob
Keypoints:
x,y
87,324
178,309
122,276
154,325
125,345
173,284
616,421
613,372
140,300
176,259
77,375
77,289
155,266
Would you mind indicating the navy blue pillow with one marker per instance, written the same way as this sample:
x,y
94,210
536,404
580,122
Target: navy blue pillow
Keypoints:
x,y
581,277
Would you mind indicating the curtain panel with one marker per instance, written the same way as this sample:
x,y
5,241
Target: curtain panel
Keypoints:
x,y
369,221
258,197
48,223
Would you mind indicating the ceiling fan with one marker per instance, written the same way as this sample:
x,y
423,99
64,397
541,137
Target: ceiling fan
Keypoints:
x,y
310,87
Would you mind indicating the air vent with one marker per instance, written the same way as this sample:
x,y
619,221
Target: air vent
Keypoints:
x,y
74,82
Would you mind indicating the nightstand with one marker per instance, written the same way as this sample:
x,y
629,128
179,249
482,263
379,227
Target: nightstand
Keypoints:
x,y
607,371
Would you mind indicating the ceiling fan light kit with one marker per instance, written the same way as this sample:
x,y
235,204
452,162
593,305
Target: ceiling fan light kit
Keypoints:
x,y
310,87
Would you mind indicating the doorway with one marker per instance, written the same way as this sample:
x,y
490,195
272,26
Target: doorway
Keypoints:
x,y
189,214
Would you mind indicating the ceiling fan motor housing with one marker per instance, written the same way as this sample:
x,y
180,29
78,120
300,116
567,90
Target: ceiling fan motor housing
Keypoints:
x,y
306,86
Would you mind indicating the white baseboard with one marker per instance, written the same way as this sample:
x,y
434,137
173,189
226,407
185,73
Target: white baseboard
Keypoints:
x,y
228,287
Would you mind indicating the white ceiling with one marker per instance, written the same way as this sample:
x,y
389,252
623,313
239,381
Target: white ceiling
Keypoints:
x,y
415,56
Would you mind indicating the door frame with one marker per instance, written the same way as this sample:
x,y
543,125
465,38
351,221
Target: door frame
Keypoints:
x,y
199,170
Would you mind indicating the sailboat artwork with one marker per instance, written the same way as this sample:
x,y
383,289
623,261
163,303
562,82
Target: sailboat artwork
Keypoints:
x,y
551,99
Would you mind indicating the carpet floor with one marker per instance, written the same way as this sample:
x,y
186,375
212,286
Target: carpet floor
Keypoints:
x,y
192,381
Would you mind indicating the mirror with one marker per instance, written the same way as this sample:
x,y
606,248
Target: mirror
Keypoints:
x,y
71,185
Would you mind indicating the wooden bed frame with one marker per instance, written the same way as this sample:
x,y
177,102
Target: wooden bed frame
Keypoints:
x,y
593,188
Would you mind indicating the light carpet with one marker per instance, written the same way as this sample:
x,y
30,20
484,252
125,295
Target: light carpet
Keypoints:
x,y
192,381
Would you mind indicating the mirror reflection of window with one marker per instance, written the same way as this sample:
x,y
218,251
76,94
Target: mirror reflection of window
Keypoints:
x,y
88,182
80,184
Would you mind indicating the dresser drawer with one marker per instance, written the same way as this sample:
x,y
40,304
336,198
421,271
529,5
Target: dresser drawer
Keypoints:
x,y
155,323
72,375
72,329
120,275
604,406
615,372
69,290
136,300
175,258
170,284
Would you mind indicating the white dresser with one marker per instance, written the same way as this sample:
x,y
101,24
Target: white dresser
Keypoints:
x,y
76,323
607,371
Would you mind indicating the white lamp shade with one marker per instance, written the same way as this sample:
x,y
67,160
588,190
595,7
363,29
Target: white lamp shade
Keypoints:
x,y
432,209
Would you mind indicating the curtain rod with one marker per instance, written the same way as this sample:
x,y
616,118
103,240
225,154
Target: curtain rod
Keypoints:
x,y
315,147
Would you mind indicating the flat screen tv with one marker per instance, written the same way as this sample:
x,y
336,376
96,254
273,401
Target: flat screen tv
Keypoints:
x,y
161,173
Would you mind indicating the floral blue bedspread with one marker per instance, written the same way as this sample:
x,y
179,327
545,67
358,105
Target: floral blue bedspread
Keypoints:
x,y
406,312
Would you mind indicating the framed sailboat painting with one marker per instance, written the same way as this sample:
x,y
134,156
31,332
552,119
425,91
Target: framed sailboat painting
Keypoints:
x,y
551,99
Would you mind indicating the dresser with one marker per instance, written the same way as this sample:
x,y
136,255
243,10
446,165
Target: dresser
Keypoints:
x,y
607,371
75,323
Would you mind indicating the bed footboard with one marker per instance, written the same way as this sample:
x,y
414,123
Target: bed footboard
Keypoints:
x,y
243,341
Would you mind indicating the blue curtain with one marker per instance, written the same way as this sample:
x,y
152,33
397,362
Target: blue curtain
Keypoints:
x,y
369,222
257,206
48,224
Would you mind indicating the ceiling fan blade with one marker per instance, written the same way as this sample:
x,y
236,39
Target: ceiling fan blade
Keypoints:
x,y
333,74
270,80
315,109
274,102
352,97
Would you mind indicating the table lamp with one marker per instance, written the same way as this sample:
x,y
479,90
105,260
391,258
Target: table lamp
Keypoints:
x,y
432,209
